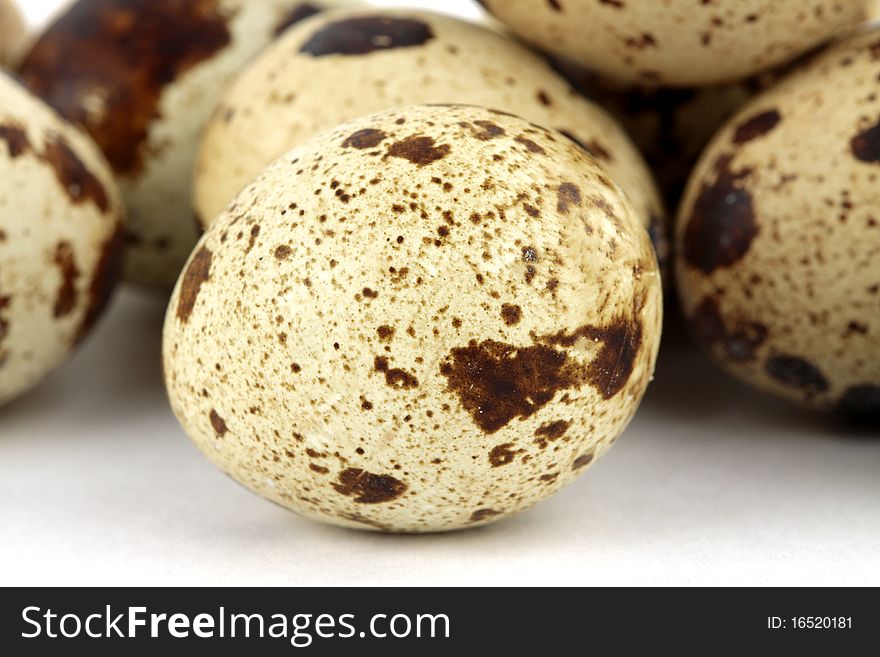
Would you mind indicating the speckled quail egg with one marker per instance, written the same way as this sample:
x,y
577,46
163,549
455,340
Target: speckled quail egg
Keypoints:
x,y
142,78
341,65
678,42
60,238
12,31
423,320
779,235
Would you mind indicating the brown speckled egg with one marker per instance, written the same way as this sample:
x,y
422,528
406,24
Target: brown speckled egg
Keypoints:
x,y
12,32
60,238
779,235
424,320
142,78
346,64
678,42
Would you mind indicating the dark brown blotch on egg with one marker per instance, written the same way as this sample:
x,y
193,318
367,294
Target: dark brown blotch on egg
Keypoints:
x,y
363,35
128,53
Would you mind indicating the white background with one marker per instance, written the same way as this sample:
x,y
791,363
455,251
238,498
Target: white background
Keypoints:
x,y
712,484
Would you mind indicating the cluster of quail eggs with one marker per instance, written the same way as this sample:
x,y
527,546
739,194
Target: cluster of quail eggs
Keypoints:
x,y
418,264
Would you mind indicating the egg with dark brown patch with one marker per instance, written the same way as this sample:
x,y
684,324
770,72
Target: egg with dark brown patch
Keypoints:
x,y
60,239
346,64
778,237
142,78
678,42
12,32
423,320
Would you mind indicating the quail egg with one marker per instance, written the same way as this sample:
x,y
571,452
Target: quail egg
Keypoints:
x,y
778,237
422,320
678,42
60,239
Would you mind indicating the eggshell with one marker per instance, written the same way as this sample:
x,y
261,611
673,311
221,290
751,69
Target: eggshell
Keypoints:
x,y
779,236
678,42
142,78
60,239
424,320
341,65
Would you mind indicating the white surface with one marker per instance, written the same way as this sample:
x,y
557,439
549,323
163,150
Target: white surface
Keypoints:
x,y
712,484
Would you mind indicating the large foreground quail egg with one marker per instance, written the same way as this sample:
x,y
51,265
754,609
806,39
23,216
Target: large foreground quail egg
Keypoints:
x,y
341,65
678,42
423,320
60,238
12,31
142,78
779,235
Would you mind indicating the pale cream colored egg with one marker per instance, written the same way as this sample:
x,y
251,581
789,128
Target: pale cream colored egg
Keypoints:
x,y
60,238
423,320
678,42
142,78
779,235
341,65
